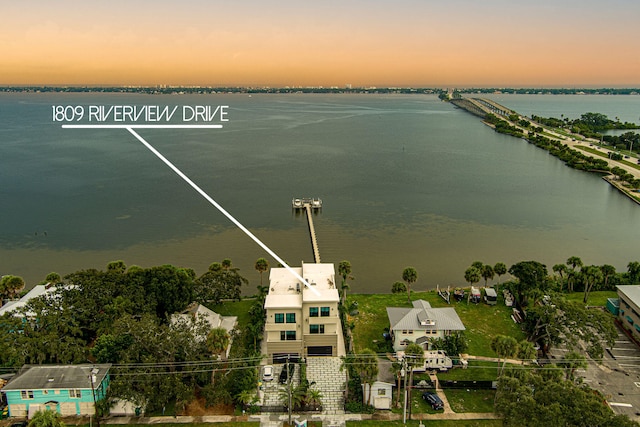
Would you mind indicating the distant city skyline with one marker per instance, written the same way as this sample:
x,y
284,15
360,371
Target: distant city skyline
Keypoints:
x,y
498,43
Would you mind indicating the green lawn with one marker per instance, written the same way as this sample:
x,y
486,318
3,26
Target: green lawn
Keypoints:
x,y
482,321
235,308
597,298
467,400
477,370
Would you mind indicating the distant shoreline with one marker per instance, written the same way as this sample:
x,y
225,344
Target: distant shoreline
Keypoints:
x,y
207,90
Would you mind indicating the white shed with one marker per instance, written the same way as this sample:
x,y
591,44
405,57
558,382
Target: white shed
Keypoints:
x,y
381,394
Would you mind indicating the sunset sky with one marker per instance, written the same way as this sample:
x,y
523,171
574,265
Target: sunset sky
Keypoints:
x,y
431,43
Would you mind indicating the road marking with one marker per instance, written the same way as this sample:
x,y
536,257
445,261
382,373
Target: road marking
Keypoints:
x,y
626,405
142,126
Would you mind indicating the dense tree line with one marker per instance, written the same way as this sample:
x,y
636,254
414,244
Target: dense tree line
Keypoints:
x,y
124,316
540,397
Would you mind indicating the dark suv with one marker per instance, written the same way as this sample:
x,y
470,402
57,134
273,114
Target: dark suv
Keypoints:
x,y
433,399
284,376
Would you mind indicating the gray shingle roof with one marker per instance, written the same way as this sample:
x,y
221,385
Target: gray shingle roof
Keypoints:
x,y
41,377
446,318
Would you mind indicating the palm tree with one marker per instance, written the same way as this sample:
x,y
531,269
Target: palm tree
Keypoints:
x,y
633,271
217,341
262,265
592,275
246,398
366,364
472,275
415,357
314,397
573,262
46,418
409,275
505,347
607,271
487,273
526,351
396,369
10,286
561,270
500,268
344,270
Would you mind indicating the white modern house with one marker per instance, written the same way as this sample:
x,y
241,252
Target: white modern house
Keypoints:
x,y
301,322
421,323
629,309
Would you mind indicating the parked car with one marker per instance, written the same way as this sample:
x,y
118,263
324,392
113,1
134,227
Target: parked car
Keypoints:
x,y
267,373
433,399
284,375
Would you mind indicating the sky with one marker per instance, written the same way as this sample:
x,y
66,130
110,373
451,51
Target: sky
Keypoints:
x,y
426,43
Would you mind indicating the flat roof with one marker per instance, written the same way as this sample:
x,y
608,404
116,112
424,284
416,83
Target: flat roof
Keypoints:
x,y
287,291
632,292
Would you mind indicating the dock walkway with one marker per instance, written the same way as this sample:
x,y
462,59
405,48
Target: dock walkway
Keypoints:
x,y
310,205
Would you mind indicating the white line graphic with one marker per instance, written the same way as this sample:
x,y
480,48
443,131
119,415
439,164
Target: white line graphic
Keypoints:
x,y
133,126
220,208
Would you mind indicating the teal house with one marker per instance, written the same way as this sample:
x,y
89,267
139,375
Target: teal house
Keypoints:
x,y
66,389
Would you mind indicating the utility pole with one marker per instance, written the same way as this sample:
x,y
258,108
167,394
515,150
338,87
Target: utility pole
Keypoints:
x,y
289,387
403,372
92,377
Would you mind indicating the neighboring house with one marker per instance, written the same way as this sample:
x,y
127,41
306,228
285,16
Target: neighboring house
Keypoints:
x,y
381,394
66,389
629,309
37,291
301,323
196,312
421,323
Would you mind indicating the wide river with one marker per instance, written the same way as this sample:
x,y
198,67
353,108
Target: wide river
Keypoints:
x,y
405,180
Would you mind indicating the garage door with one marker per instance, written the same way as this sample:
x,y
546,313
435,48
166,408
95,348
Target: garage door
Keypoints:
x,y
320,351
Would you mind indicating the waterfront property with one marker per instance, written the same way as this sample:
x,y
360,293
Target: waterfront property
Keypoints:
x,y
421,323
629,309
16,307
301,322
66,389
195,313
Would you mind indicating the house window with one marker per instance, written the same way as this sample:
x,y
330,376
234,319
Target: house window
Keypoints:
x,y
75,393
45,392
313,311
629,319
287,335
316,329
325,311
279,317
382,392
291,318
26,394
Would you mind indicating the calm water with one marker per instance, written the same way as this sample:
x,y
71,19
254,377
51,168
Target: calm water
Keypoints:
x,y
406,180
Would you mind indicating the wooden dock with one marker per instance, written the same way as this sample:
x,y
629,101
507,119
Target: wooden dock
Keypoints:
x,y
312,231
310,205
